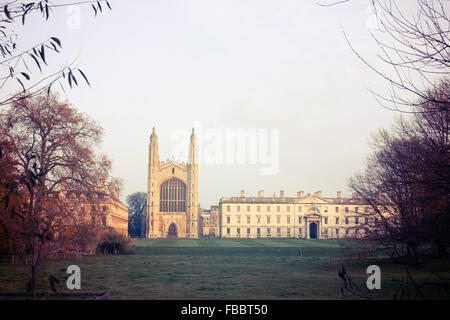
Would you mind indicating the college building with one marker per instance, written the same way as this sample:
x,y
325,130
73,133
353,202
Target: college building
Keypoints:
x,y
104,203
309,216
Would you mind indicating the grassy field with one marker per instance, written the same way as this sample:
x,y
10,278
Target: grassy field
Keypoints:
x,y
221,269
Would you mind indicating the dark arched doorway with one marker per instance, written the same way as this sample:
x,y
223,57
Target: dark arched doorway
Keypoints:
x,y
313,230
172,231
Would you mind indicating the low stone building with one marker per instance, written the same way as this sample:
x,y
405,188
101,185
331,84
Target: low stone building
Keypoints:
x,y
309,216
210,222
106,203
116,211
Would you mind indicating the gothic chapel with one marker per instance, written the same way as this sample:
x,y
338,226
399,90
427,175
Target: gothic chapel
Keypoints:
x,y
172,194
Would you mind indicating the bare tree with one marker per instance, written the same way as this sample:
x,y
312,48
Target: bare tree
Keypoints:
x,y
406,182
54,147
414,50
408,176
17,66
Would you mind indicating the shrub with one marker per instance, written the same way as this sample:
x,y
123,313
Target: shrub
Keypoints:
x,y
113,242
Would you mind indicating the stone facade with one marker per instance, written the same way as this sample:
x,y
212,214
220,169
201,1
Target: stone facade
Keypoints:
x,y
210,222
103,203
116,212
172,194
309,217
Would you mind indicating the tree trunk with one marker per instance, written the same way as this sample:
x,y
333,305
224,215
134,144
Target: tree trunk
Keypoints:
x,y
413,252
408,249
33,283
442,249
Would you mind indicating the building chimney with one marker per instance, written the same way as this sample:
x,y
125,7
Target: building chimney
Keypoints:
x,y
110,189
242,193
261,193
339,195
116,192
102,186
300,194
281,194
354,195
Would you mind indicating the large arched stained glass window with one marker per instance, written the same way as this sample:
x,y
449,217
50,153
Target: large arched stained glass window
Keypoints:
x,y
173,196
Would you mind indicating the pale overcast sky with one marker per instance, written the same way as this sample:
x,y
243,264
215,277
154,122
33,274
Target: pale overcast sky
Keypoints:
x,y
227,65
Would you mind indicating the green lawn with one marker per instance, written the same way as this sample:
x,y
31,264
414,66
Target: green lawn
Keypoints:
x,y
221,269
243,243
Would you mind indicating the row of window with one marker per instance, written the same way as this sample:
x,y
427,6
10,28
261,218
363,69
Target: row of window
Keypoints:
x,y
288,219
347,231
238,219
288,209
288,231
207,221
258,231
347,220
93,208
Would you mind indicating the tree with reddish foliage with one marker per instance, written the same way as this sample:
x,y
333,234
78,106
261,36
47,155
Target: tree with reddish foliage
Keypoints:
x,y
9,177
54,149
